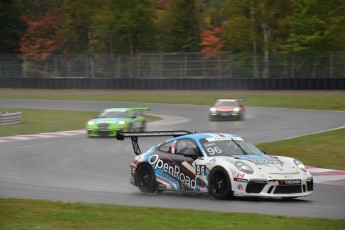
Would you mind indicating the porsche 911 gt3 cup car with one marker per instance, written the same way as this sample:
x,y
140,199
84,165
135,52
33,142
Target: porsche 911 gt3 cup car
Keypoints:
x,y
227,109
223,165
114,120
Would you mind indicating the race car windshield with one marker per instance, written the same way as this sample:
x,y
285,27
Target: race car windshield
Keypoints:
x,y
226,103
229,147
114,114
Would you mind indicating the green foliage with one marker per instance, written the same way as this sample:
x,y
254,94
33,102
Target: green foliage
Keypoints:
x,y
317,26
76,28
124,26
260,23
181,26
131,26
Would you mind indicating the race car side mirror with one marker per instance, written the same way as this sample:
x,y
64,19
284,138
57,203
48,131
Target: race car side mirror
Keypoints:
x,y
262,150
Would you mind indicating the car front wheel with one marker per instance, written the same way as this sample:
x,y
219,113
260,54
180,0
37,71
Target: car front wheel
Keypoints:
x,y
219,184
146,179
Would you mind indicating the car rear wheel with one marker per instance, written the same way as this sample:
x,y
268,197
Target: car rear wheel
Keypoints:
x,y
219,184
131,128
146,179
143,127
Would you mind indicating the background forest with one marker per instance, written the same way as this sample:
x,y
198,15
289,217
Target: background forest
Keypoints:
x,y
41,28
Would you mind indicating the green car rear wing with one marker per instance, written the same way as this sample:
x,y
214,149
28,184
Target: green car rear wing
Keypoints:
x,y
139,109
135,135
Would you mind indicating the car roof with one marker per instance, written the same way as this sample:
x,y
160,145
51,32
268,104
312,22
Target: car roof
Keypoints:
x,y
198,136
230,99
117,109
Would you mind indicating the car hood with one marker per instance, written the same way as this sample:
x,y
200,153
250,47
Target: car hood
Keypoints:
x,y
225,107
269,164
107,120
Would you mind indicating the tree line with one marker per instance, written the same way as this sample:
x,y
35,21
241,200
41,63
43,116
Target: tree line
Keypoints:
x,y
40,28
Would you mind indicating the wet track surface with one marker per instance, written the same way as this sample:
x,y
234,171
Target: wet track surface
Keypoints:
x,y
77,168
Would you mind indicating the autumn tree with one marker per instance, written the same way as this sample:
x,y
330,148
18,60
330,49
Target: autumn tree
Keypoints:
x,y
125,26
211,42
181,26
43,34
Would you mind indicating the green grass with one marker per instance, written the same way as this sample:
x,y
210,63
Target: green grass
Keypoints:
x,y
31,214
331,100
325,150
41,120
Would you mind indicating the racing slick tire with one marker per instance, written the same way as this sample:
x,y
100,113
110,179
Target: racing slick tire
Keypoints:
x,y
241,117
131,128
219,184
146,179
289,198
212,118
143,127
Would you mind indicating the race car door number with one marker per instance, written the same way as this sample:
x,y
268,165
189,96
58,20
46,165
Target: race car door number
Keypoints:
x,y
200,170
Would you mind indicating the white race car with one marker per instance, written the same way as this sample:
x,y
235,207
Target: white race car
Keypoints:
x,y
223,165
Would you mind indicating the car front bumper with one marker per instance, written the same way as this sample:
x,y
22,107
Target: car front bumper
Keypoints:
x,y
276,188
225,114
103,133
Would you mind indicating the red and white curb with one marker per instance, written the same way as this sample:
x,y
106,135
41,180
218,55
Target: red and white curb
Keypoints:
x,y
327,176
42,135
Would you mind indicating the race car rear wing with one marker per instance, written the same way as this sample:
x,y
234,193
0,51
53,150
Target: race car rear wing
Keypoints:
x,y
135,135
139,108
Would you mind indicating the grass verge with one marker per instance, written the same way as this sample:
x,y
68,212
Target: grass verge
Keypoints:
x,y
41,120
34,214
325,150
332,100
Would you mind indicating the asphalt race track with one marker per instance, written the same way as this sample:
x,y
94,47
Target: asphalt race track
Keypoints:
x,y
77,168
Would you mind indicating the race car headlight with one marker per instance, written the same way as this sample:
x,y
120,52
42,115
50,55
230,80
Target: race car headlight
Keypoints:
x,y
213,109
243,167
91,123
122,122
300,165
236,109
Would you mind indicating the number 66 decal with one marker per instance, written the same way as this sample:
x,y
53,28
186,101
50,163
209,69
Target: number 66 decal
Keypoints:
x,y
200,170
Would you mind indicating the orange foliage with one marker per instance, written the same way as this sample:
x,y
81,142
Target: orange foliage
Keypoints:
x,y
210,41
42,36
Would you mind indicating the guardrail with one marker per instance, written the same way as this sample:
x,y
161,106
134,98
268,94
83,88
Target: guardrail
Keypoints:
x,y
9,118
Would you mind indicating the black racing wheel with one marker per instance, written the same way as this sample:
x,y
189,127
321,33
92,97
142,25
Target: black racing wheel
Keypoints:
x,y
146,179
219,184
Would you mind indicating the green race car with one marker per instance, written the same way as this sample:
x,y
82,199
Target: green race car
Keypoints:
x,y
114,120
